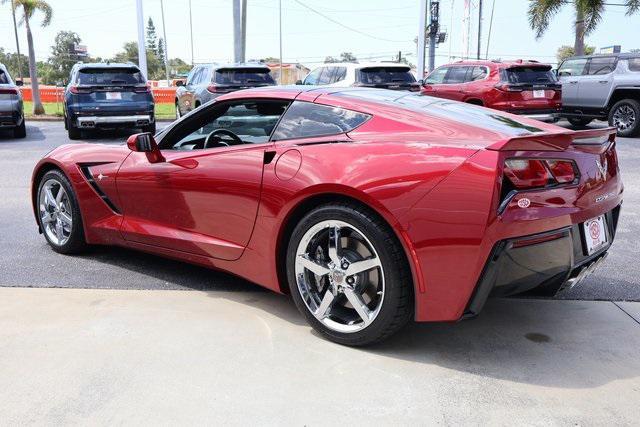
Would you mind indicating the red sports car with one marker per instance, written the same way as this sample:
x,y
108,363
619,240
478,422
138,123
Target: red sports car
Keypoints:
x,y
368,206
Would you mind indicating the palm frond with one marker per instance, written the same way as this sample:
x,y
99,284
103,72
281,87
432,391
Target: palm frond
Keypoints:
x,y
633,6
592,11
540,14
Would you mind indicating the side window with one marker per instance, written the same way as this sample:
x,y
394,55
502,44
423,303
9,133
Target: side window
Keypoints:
x,y
312,78
478,73
341,74
572,67
634,64
601,65
247,122
456,75
193,75
437,76
325,76
306,119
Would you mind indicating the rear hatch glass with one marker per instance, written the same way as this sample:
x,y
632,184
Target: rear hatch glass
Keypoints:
x,y
243,77
6,92
386,77
111,86
529,76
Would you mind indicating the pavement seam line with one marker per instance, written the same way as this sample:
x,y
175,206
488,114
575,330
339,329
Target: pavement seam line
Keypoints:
x,y
625,312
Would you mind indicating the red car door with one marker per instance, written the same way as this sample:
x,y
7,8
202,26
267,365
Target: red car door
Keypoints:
x,y
434,82
454,83
200,200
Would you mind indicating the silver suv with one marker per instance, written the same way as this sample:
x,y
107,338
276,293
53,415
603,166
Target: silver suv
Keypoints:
x,y
208,81
602,87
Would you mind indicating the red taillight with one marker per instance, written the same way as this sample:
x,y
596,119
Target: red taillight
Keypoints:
x,y
506,87
79,89
142,89
8,91
217,89
532,173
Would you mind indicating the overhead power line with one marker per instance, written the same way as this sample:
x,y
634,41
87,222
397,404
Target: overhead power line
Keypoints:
x,y
328,18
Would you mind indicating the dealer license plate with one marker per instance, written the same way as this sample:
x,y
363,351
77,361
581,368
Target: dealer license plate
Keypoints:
x,y
539,94
595,233
114,95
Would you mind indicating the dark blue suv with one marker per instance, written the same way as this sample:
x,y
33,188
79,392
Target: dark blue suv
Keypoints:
x,y
107,96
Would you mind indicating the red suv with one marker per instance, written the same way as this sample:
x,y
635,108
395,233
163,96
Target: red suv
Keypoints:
x,y
520,87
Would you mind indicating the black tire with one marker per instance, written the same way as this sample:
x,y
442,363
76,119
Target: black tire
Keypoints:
x,y
629,109
150,128
396,308
178,115
74,132
20,131
579,123
76,242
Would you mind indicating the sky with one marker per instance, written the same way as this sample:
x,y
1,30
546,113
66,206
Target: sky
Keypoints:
x,y
382,28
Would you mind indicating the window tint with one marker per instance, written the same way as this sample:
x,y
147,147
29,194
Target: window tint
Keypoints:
x,y
529,75
456,75
572,67
601,65
437,76
341,74
305,119
381,75
251,121
312,77
478,73
194,76
4,79
325,76
110,76
634,64
244,76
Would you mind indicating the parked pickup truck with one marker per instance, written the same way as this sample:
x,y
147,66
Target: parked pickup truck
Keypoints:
x,y
107,96
602,87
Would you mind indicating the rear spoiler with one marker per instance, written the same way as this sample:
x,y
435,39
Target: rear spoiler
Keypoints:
x,y
595,140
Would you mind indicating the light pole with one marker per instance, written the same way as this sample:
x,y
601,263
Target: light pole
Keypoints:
x,y
422,29
191,31
142,51
164,34
15,30
280,24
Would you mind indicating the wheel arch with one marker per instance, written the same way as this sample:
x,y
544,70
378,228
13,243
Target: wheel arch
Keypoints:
x,y
306,205
622,93
475,101
40,170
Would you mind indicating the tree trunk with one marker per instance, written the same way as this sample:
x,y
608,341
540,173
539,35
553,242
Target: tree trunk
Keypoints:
x,y
578,46
33,74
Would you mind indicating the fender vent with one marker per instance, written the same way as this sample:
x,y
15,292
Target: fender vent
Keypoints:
x,y
89,177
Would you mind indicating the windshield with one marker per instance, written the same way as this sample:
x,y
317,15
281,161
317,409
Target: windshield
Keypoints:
x,y
385,75
530,75
245,76
110,76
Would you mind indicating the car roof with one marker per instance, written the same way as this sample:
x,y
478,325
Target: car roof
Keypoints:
x,y
625,55
499,64
358,65
106,65
218,65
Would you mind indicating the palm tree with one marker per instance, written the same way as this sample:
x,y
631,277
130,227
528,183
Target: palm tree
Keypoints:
x,y
588,15
29,7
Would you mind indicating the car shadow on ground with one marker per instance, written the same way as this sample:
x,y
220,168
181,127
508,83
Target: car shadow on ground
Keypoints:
x,y
33,134
547,343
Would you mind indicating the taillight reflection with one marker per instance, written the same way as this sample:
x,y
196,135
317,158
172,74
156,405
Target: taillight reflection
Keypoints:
x,y
533,173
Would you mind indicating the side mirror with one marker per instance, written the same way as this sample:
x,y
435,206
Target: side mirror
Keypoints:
x,y
179,83
298,82
145,143
19,83
421,82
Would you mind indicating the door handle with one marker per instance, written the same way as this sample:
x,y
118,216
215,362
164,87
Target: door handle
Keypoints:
x,y
603,81
573,82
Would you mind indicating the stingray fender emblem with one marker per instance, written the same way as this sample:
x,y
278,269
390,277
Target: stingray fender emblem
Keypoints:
x,y
524,203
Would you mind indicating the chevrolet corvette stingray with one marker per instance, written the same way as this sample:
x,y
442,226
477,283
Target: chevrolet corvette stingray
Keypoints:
x,y
369,207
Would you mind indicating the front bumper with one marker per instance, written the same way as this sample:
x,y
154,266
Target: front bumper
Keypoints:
x,y
543,264
89,122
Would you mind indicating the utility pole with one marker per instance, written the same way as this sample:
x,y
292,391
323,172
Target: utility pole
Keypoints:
x,y
479,28
280,30
243,13
493,7
434,29
191,30
142,51
237,31
422,30
164,34
15,30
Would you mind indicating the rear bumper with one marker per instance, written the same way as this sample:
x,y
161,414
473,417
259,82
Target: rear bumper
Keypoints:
x,y
545,263
88,122
11,119
544,115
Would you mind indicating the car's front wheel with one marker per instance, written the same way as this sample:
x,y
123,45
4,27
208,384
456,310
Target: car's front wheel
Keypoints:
x,y
625,116
348,274
59,214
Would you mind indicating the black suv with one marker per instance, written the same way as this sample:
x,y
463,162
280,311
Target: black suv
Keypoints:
x,y
107,96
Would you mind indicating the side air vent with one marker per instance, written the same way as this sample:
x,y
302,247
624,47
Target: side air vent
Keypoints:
x,y
86,171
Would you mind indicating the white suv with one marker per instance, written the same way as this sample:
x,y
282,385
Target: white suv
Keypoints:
x,y
386,75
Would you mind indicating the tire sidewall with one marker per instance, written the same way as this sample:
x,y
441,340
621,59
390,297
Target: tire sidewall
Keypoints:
x,y
393,279
635,129
76,240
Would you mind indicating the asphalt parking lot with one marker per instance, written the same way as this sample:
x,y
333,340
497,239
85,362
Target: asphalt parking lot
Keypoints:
x,y
27,261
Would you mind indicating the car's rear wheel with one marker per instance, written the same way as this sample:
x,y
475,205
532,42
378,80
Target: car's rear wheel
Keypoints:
x,y
20,131
625,116
178,113
59,214
348,275
72,130
579,123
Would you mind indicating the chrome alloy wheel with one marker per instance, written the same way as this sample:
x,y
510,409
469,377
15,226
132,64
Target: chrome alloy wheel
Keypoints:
x,y
339,276
56,215
624,117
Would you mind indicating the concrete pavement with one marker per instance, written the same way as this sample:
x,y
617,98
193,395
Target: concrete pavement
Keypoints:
x,y
92,356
